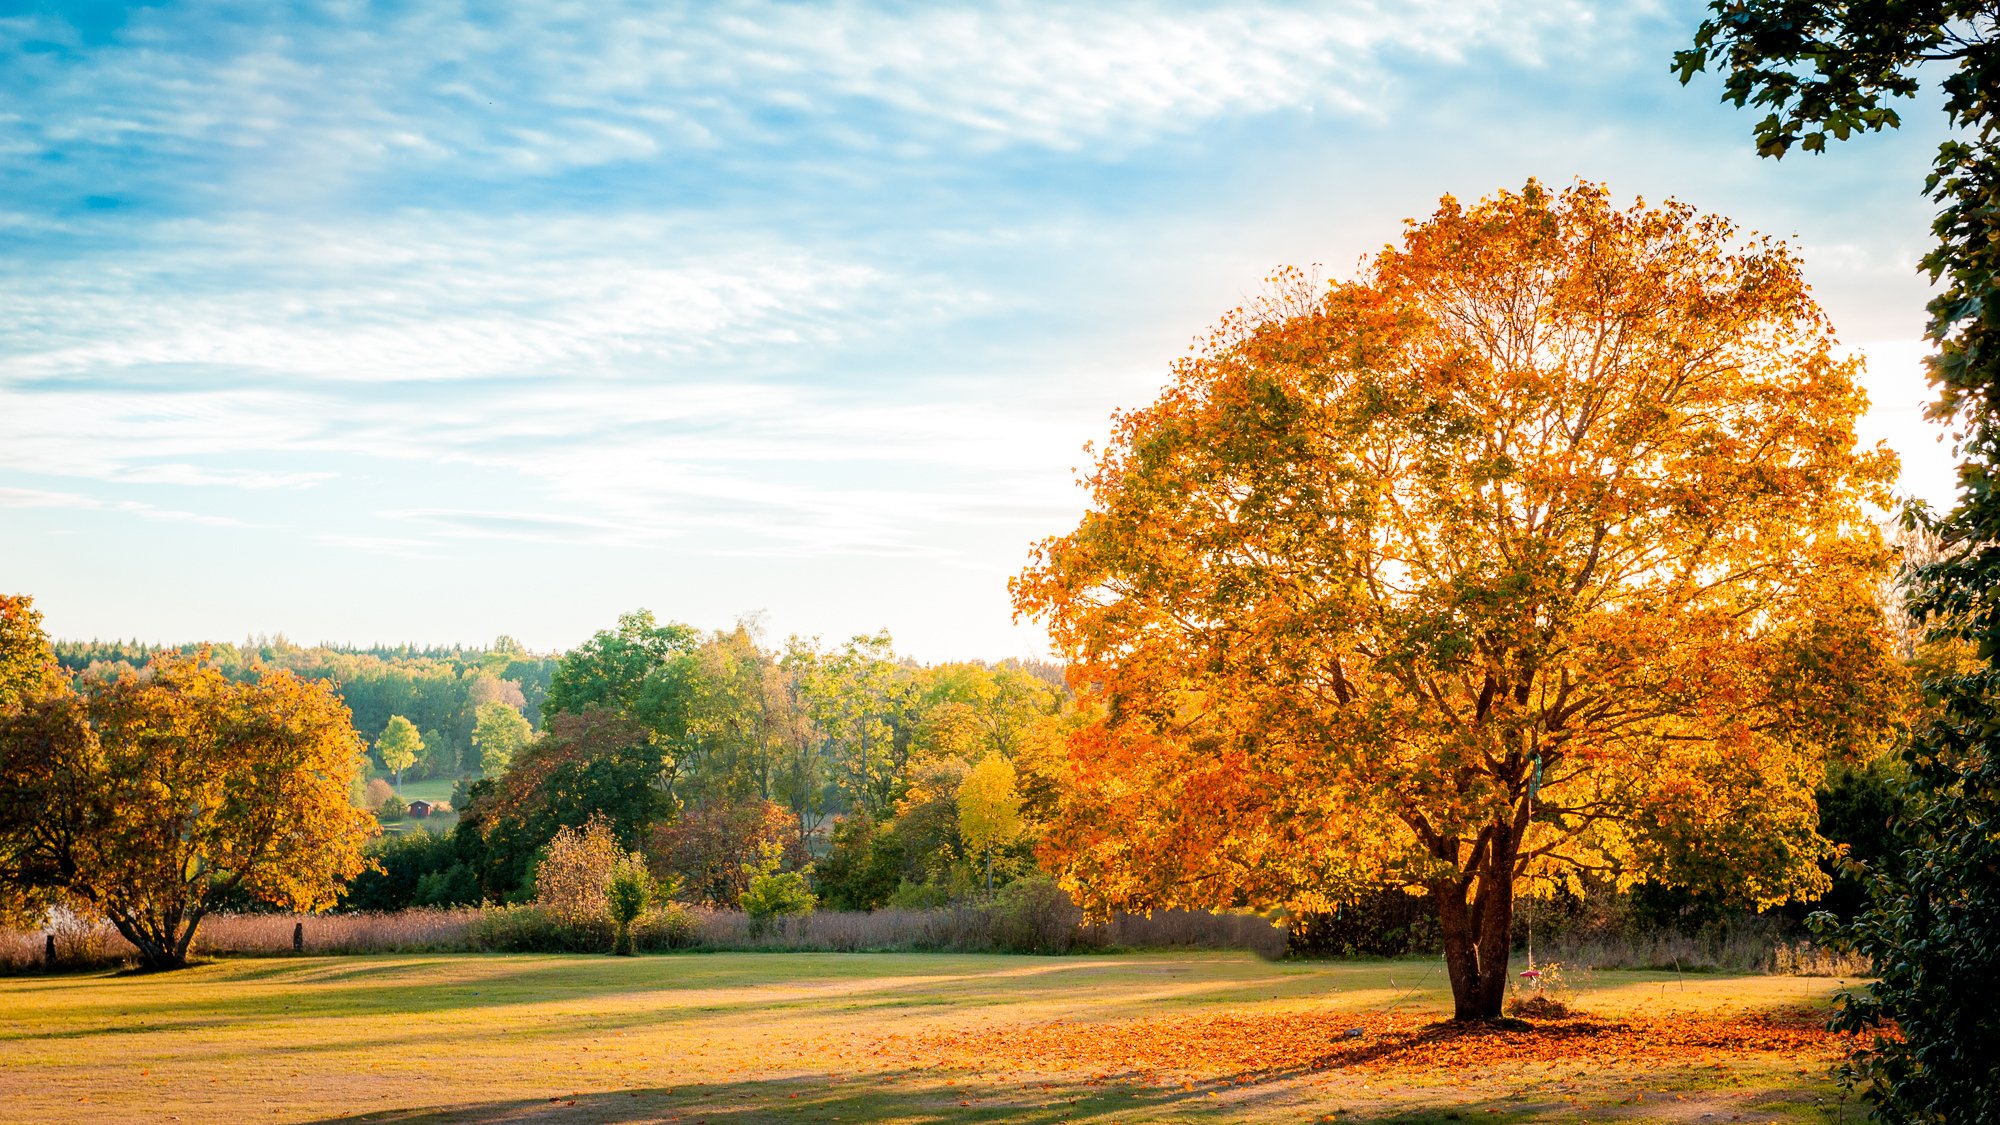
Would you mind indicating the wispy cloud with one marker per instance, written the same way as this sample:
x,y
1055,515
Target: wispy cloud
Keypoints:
x,y
433,297
337,92
42,498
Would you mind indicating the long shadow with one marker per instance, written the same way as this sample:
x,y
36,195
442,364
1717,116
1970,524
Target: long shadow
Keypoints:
x,y
920,1098
374,989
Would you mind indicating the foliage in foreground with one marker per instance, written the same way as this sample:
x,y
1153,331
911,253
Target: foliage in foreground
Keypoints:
x,y
1836,69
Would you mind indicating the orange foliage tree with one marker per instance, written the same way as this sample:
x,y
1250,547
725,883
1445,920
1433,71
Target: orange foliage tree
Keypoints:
x,y
1542,549
152,798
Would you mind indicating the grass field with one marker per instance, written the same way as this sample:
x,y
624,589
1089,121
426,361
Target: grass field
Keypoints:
x,y
877,1037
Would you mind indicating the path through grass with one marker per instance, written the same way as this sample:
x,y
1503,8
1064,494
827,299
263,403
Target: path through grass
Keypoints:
x,y
725,1038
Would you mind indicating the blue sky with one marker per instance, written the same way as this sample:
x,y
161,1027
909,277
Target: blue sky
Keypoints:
x,y
381,322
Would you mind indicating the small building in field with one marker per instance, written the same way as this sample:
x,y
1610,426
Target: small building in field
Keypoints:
x,y
420,808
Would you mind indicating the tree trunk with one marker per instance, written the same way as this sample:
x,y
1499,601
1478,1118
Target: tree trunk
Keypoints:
x,y
1478,934
161,941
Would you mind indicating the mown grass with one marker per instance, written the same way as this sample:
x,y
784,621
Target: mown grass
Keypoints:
x,y
795,1037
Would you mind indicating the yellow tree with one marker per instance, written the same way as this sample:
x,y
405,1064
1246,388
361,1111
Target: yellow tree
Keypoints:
x,y
27,662
1541,548
989,809
148,799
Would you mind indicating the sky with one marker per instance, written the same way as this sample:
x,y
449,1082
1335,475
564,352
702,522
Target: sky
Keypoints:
x,y
384,322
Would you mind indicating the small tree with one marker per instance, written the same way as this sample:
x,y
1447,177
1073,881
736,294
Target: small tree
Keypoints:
x,y
630,889
376,794
399,746
570,881
989,809
775,894
499,732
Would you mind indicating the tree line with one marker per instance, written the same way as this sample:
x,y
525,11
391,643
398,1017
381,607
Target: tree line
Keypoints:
x,y
438,690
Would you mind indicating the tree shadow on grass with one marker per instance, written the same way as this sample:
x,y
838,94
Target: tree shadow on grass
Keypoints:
x,y
919,1098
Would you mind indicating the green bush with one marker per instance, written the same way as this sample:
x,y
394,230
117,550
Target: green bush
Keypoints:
x,y
1033,915
402,862
392,809
775,895
663,930
626,893
862,868
920,896
530,929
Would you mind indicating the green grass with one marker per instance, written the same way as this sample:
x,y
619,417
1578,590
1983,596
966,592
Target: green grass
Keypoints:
x,y
784,1037
429,789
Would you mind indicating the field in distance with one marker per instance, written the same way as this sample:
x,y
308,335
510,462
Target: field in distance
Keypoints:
x,y
890,1037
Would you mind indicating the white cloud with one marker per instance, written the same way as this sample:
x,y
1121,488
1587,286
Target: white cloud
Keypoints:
x,y
431,297
534,88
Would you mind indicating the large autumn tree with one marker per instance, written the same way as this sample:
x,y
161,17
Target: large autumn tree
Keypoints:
x,y
1542,548
151,798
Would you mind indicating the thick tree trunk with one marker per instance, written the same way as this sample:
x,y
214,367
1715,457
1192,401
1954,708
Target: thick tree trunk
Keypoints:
x,y
1478,933
162,942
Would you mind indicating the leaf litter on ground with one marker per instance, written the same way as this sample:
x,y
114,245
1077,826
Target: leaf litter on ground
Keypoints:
x,y
1237,1045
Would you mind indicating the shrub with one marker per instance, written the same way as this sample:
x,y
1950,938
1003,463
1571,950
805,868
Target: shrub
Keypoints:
x,y
862,868
671,927
1033,915
626,893
919,896
535,929
376,792
570,880
775,895
392,809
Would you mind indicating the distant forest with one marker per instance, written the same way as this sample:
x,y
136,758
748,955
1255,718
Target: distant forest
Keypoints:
x,y
438,689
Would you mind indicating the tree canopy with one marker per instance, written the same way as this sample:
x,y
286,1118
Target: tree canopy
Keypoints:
x,y
1542,548
399,746
149,799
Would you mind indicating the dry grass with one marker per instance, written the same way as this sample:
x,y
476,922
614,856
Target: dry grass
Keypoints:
x,y
1743,949
418,930
954,929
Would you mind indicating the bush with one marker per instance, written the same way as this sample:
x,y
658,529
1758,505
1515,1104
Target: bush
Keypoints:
x,y
671,927
1033,915
920,896
863,866
534,929
626,894
376,792
775,895
391,809
571,878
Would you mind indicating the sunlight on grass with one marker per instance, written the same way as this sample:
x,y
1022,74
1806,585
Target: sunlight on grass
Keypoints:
x,y
743,1037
